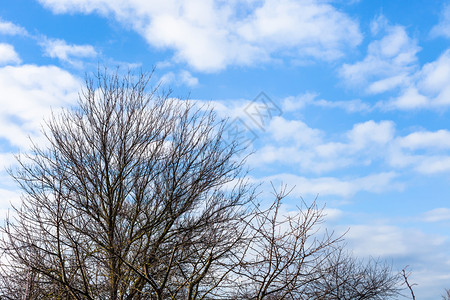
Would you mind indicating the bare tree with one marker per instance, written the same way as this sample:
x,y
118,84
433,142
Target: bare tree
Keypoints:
x,y
405,275
344,277
140,196
292,257
284,253
128,199
447,295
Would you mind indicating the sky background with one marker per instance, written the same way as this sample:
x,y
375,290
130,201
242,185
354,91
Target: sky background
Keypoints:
x,y
354,110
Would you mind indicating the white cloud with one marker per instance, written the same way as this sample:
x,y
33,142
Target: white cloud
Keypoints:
x,y
426,140
332,214
9,197
424,151
426,255
9,28
435,76
432,164
167,78
437,215
5,160
332,186
371,133
391,64
434,80
69,53
429,87
378,24
443,27
389,61
409,99
350,106
181,78
28,93
386,84
366,135
188,79
432,278
306,23
292,103
390,241
211,35
293,142
284,130
8,55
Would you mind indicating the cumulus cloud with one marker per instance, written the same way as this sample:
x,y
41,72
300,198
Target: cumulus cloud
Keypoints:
x,y
410,98
181,78
425,253
370,133
56,48
391,65
435,140
390,241
443,27
424,151
211,35
28,93
433,164
388,63
295,144
437,215
296,103
351,106
8,55
187,78
311,149
288,130
434,80
428,88
290,142
332,186
9,28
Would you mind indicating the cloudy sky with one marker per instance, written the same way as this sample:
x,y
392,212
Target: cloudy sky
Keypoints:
x,y
354,106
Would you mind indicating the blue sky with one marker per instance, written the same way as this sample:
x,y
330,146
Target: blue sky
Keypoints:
x,y
360,92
